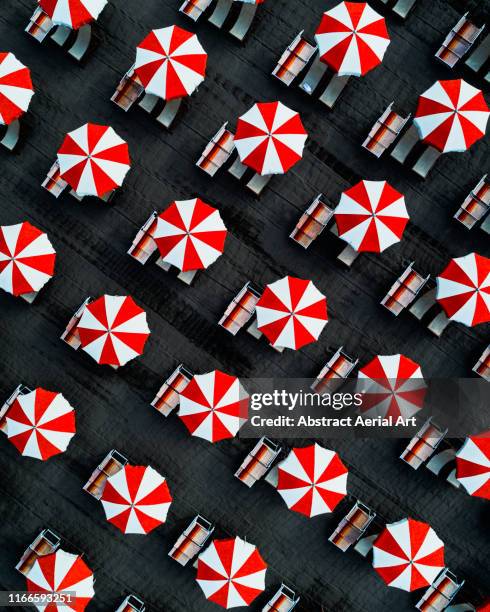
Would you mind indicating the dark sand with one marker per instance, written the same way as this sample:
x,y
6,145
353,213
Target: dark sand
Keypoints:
x,y
113,407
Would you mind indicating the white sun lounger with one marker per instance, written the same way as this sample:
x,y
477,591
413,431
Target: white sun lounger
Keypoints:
x,y
82,43
220,13
237,169
244,21
11,136
403,7
426,161
313,76
406,144
333,90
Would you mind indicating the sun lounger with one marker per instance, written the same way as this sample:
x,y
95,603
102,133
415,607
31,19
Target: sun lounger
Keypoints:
x,y
426,161
187,277
458,42
53,181
244,21
148,102
61,34
476,206
403,7
169,112
441,460
333,90
237,169
481,367
11,136
406,144
424,444
485,226
422,306
217,152
143,245
168,396
194,8
384,132
313,76
258,461
365,545
347,256
132,603
334,372
70,335
129,90
112,463
258,182
284,600
480,55
40,25
46,543
294,59
352,527
438,324
440,593
241,309
404,291
192,540
19,390
220,13
82,43
312,222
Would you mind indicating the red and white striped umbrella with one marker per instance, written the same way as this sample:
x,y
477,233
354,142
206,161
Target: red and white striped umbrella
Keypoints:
x,y
93,160
291,312
391,386
214,406
72,13
27,258
473,465
270,138
136,499
170,62
352,38
16,89
190,234
231,572
371,216
408,555
451,115
40,424
312,480
113,329
463,289
62,573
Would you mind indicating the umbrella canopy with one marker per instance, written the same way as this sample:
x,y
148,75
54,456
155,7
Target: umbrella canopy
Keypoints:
x,y
371,216
62,572
93,160
72,13
170,62
391,386
291,312
136,499
214,406
408,555
270,138
463,289
27,258
473,465
451,115
352,38
312,480
231,572
190,234
16,88
40,424
113,329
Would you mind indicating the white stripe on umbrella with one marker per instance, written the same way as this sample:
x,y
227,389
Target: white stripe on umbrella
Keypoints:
x,y
62,572
72,13
473,465
27,258
451,115
408,554
170,62
463,289
16,88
